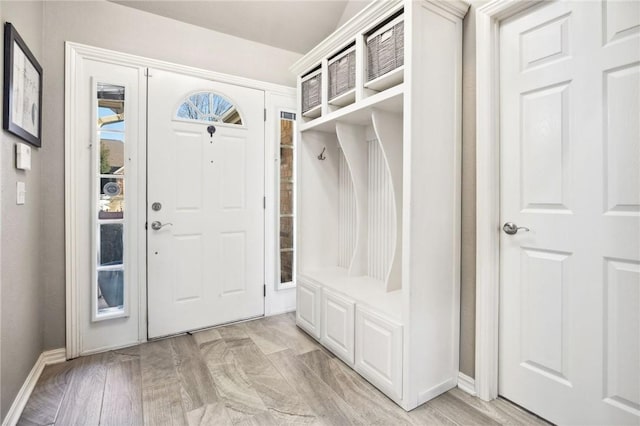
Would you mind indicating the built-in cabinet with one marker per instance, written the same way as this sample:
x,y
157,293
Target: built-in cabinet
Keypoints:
x,y
379,195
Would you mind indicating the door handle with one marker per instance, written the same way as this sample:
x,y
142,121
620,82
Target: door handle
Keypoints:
x,y
157,225
512,229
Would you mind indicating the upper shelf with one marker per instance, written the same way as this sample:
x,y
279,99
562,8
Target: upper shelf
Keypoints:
x,y
360,112
366,19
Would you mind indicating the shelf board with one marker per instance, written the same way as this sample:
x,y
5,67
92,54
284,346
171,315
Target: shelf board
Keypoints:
x,y
360,112
314,112
385,81
344,99
364,290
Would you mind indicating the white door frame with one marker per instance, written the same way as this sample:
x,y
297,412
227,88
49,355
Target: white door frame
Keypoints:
x,y
488,20
74,54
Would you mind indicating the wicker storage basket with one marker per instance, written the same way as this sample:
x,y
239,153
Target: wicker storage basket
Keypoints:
x,y
342,72
385,49
311,90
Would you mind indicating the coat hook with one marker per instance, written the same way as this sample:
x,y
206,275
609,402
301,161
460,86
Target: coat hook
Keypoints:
x,y
322,157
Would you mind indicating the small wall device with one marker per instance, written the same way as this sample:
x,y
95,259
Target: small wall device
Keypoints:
x,y
23,156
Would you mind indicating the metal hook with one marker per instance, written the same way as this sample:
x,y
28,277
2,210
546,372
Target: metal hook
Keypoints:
x,y
322,157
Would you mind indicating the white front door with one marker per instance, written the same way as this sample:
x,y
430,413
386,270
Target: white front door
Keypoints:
x,y
570,172
205,192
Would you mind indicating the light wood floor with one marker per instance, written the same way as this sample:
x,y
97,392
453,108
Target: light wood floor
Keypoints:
x,y
260,372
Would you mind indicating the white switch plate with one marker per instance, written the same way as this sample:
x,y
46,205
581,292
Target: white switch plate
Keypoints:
x,y
21,193
23,156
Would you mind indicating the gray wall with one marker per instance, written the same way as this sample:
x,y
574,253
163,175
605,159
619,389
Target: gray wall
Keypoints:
x,y
20,236
468,272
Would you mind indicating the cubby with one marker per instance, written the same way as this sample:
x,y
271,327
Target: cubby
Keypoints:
x,y
379,202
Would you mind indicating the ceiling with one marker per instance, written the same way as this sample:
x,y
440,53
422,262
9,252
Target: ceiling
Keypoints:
x,y
295,25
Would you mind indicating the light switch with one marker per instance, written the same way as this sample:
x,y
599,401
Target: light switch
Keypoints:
x,y
23,156
21,193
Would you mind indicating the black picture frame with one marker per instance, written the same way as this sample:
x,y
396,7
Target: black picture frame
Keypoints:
x,y
21,85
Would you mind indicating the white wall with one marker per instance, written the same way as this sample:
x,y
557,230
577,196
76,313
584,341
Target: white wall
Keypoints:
x,y
116,27
20,231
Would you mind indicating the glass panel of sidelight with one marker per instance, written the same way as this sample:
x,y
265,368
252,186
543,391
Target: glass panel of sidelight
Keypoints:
x,y
111,153
109,171
110,291
286,233
286,198
111,244
110,107
286,266
286,163
111,203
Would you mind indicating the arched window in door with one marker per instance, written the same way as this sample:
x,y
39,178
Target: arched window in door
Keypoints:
x,y
209,107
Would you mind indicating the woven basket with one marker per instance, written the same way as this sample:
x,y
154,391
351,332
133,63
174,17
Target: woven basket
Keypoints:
x,y
342,73
311,90
385,49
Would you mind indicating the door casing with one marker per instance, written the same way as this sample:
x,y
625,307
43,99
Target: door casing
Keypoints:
x,y
488,20
277,96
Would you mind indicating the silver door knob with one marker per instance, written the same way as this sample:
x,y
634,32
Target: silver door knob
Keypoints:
x,y
157,225
512,229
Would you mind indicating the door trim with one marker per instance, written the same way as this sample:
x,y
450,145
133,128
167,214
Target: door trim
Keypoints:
x,y
74,54
488,20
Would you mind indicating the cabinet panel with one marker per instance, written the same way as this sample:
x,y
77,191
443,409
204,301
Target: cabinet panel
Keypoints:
x,y
308,307
338,325
379,351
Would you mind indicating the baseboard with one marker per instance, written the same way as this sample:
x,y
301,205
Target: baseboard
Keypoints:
x,y
467,384
436,390
46,358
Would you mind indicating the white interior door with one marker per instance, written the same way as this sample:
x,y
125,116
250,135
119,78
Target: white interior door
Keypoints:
x,y
205,192
570,171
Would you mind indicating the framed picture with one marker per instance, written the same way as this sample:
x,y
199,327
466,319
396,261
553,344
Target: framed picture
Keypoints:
x,y
22,89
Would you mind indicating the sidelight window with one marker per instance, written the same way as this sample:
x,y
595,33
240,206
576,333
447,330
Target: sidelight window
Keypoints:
x,y
109,220
287,221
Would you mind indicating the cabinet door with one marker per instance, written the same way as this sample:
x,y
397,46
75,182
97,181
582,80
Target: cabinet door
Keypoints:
x,y
308,307
379,352
337,325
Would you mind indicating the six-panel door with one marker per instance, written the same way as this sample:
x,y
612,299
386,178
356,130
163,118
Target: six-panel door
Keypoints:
x,y
570,172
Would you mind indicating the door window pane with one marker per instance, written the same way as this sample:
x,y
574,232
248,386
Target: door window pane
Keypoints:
x,y
286,233
111,153
209,106
286,163
286,198
286,266
110,291
111,244
111,203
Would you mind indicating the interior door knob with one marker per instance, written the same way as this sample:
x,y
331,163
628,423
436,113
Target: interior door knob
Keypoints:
x,y
157,225
512,229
